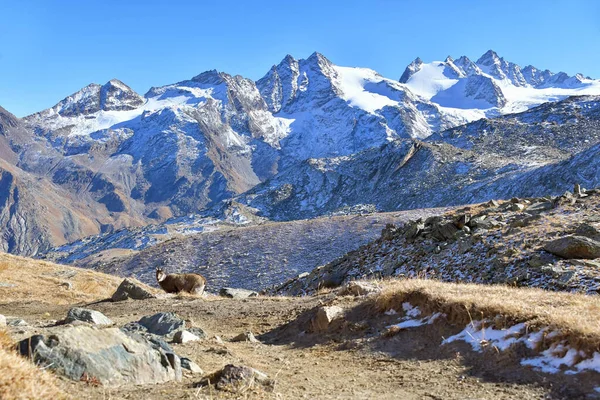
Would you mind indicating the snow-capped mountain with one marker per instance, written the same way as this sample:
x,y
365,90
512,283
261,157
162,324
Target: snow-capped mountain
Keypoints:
x,y
491,85
130,160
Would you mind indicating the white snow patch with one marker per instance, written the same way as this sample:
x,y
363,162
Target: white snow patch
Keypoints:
x,y
352,81
558,357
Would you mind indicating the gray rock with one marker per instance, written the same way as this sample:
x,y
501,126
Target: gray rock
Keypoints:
x,y
237,378
444,232
541,259
414,230
188,364
587,263
574,247
184,337
198,332
107,355
129,289
589,231
17,322
235,293
86,315
324,317
517,207
7,285
2,320
492,203
245,337
539,207
163,324
157,342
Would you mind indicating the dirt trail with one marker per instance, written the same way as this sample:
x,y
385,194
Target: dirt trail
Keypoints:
x,y
308,366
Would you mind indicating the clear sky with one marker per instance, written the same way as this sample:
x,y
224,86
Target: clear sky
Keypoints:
x,y
50,49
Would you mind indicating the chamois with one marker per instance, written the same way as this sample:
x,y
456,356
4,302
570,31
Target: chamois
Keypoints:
x,y
175,283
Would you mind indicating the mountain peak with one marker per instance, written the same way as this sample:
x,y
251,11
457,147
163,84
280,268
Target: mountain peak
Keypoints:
x,y
411,69
114,95
488,58
212,77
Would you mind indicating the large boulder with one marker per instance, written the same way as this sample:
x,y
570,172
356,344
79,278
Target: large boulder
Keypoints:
x,y
129,289
163,324
574,247
86,315
106,356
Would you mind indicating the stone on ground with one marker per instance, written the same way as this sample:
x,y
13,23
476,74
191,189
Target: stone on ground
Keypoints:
x,y
107,356
245,337
237,293
356,288
324,318
163,324
86,315
129,289
188,364
238,378
2,320
184,337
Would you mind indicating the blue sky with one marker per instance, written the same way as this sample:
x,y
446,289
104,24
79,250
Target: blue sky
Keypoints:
x,y
50,49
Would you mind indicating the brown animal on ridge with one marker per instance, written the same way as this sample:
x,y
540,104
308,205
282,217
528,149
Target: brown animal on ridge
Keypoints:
x,y
175,283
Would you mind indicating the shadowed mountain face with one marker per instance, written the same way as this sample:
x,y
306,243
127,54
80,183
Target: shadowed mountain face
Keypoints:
x,y
307,139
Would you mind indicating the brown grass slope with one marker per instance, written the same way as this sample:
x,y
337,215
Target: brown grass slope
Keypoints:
x,y
575,316
25,279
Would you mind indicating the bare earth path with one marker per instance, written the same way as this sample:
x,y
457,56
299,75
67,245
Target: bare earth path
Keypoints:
x,y
331,369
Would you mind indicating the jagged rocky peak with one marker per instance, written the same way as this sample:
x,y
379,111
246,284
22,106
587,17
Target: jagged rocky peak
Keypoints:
x,y
480,87
467,66
117,96
291,79
412,68
211,77
112,96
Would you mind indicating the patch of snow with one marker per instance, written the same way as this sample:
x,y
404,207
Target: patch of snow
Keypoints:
x,y
359,88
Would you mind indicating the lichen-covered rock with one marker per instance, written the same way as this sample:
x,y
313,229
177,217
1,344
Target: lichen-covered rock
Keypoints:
x,y
574,247
107,356
163,324
86,315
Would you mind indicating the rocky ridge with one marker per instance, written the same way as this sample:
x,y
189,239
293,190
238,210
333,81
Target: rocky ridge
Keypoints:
x,y
547,242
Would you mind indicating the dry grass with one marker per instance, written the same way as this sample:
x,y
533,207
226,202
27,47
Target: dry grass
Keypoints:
x,y
20,379
576,316
46,282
